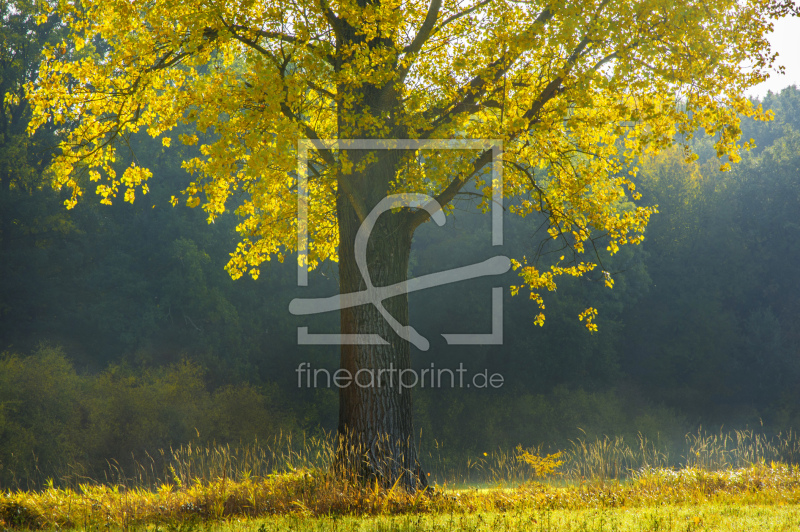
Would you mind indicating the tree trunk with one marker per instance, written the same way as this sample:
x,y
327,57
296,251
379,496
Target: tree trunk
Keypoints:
x,y
376,431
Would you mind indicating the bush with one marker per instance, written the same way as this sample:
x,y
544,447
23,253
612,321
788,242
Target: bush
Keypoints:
x,y
57,424
40,416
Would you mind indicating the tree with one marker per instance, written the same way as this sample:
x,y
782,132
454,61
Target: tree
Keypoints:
x,y
575,91
21,43
23,158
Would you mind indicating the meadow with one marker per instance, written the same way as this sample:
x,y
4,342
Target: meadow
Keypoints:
x,y
728,481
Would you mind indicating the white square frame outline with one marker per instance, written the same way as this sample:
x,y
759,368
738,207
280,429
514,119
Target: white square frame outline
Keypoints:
x,y
306,144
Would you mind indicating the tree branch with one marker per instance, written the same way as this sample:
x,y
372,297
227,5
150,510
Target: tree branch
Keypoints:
x,y
457,16
552,89
427,27
420,216
333,20
321,90
476,88
279,36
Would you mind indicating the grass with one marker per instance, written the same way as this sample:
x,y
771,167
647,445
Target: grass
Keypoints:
x,y
725,482
707,517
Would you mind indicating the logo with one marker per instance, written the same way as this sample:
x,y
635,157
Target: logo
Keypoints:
x,y
375,295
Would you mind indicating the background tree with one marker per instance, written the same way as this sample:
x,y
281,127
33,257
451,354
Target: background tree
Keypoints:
x,y
22,158
21,43
576,92
717,332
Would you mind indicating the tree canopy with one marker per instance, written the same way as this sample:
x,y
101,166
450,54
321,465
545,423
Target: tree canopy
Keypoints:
x,y
576,91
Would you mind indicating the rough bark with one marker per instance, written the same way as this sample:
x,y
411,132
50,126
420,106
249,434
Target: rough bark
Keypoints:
x,y
375,413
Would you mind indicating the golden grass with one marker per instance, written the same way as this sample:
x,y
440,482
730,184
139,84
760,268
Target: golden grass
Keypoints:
x,y
698,518
307,493
294,477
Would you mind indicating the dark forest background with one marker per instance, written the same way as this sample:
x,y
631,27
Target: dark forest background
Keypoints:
x,y
121,333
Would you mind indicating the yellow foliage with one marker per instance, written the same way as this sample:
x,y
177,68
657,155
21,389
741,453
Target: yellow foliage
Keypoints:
x,y
543,466
589,315
576,91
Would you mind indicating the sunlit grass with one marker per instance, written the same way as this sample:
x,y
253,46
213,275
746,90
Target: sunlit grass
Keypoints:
x,y
705,517
728,477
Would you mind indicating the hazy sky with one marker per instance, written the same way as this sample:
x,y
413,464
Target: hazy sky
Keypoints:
x,y
786,41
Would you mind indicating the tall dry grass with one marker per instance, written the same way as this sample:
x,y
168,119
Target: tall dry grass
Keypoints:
x,y
297,475
598,459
